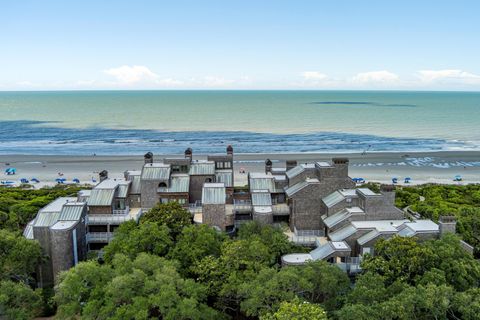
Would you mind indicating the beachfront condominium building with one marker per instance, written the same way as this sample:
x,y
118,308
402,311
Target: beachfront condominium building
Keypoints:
x,y
355,220
60,229
318,201
68,228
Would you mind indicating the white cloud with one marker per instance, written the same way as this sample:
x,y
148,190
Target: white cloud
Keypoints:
x,y
132,74
314,75
376,77
448,76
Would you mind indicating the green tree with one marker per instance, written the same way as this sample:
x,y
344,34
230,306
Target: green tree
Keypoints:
x,y
399,258
19,301
264,293
18,256
271,236
297,310
195,243
79,286
328,284
467,304
148,287
239,262
131,239
171,214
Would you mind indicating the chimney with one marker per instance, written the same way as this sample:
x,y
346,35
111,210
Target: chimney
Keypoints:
x,y
340,161
341,167
291,164
229,150
447,224
268,166
388,192
148,157
103,175
189,154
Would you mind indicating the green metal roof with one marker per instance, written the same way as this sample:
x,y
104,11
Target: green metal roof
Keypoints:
x,y
156,171
213,193
179,183
123,187
202,168
333,199
225,177
101,197
261,198
72,211
299,186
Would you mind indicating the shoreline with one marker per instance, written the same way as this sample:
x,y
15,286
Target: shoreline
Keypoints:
x,y
421,167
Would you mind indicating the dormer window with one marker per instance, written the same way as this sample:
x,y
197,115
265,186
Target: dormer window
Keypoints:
x,y
162,185
208,180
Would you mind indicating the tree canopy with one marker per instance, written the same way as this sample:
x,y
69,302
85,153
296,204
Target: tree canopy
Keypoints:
x,y
407,279
171,214
143,288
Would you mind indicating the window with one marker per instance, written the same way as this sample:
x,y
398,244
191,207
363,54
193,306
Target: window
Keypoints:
x,y
175,168
208,180
97,246
228,165
93,228
120,204
220,165
180,201
162,185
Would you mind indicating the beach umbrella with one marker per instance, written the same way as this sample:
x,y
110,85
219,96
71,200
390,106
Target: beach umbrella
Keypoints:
x,y
76,180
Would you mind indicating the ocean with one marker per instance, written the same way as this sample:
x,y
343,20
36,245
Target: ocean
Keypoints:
x,y
167,122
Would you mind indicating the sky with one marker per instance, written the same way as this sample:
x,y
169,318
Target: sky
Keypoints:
x,y
268,44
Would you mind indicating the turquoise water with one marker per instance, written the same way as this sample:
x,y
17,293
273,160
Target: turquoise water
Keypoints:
x,y
255,121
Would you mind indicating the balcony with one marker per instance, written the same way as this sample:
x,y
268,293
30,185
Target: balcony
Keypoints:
x,y
195,208
121,211
242,206
281,209
104,219
351,265
103,237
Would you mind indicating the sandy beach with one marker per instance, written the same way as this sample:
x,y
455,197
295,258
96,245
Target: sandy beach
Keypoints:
x,y
422,167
